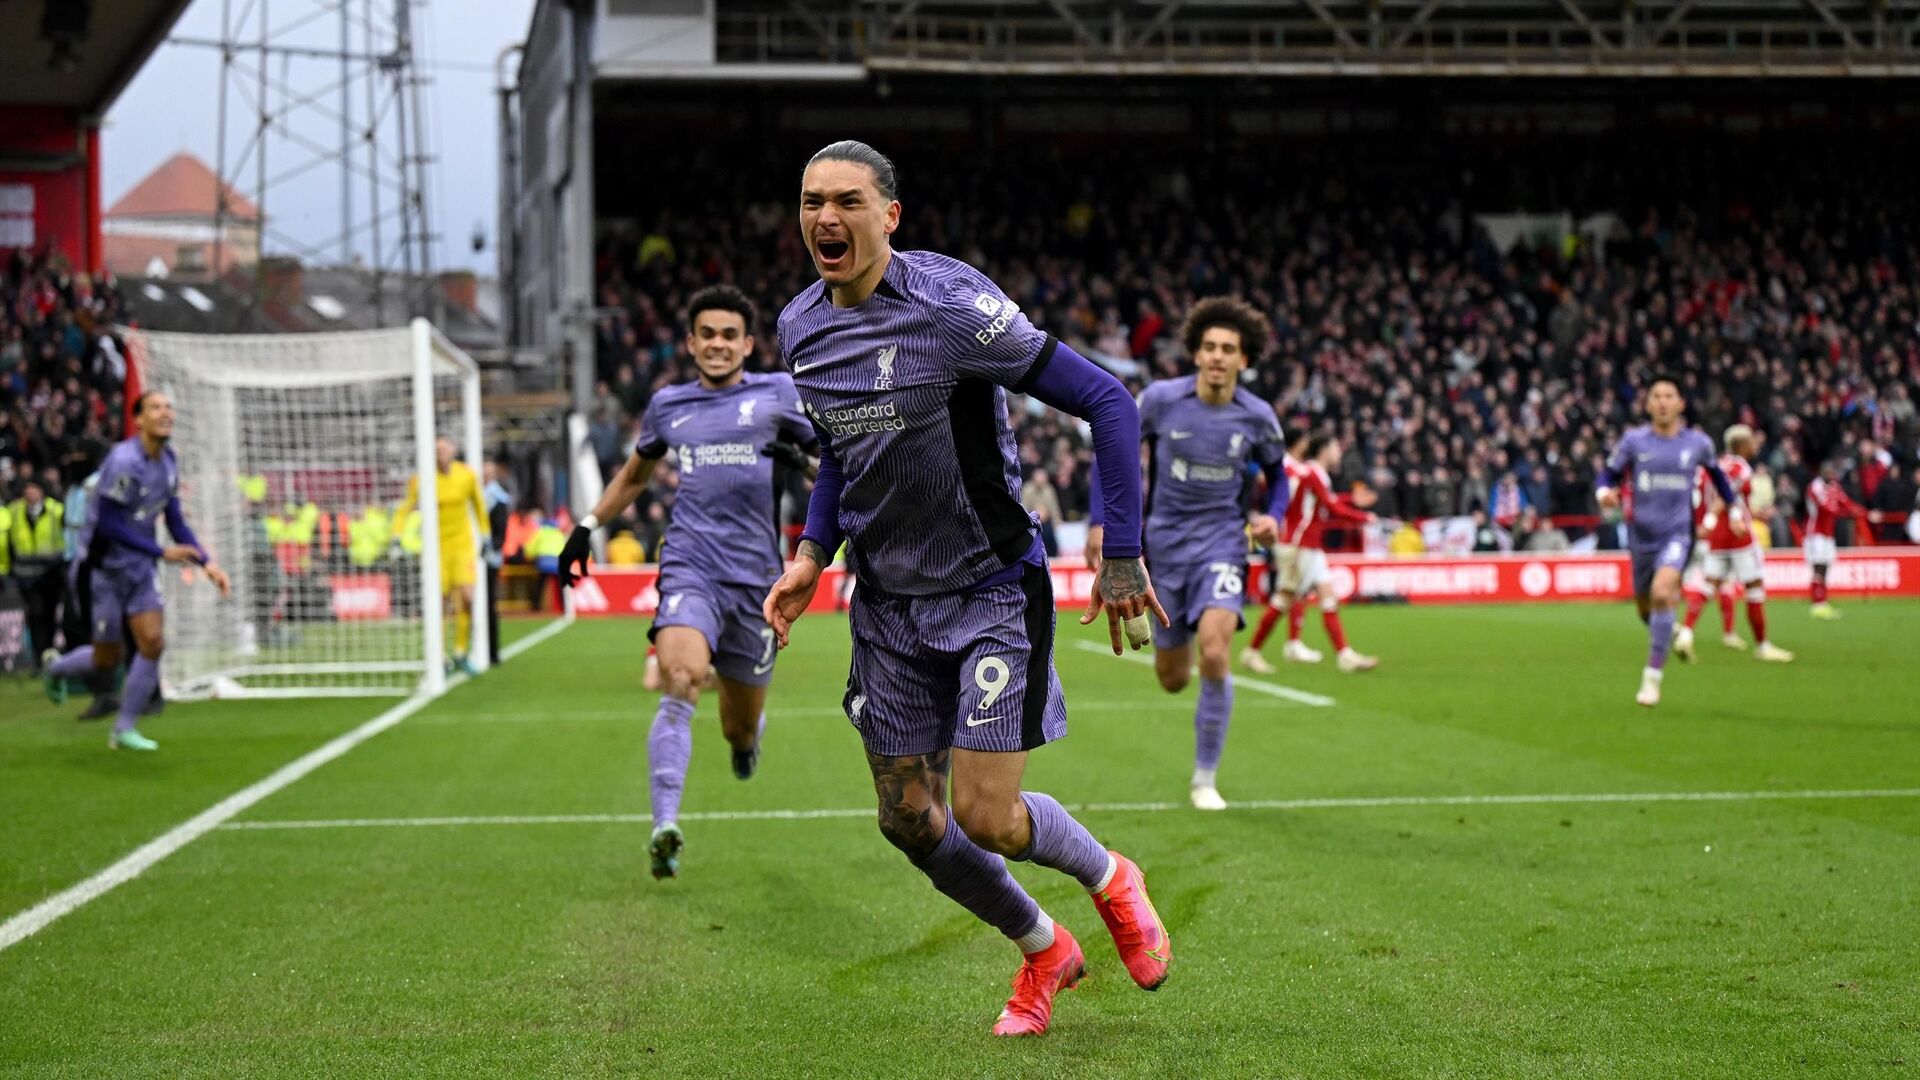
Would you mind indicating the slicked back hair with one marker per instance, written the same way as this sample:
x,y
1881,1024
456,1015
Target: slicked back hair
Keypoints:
x,y
859,153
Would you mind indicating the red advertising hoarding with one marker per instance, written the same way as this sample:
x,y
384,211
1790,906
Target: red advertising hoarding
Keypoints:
x,y
1478,579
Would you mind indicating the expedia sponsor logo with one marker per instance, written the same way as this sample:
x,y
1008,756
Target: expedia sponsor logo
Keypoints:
x,y
1007,311
864,420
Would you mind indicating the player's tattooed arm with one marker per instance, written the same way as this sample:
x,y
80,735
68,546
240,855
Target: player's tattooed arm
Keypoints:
x,y
794,590
913,797
812,549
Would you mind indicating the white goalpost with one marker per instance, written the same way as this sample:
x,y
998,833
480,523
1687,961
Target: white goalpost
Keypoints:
x,y
295,453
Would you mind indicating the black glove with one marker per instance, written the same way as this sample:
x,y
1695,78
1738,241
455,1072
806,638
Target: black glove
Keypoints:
x,y
789,455
579,551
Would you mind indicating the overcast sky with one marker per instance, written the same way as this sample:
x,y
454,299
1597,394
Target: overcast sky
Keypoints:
x,y
172,106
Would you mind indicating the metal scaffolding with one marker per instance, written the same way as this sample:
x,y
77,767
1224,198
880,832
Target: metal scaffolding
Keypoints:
x,y
311,85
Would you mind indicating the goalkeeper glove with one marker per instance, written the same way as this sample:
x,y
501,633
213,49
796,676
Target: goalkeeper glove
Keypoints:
x,y
579,550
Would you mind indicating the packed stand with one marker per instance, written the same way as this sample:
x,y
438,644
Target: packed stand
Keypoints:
x,y
1463,380
62,372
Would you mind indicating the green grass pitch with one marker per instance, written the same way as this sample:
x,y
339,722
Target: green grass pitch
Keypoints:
x,y
1354,937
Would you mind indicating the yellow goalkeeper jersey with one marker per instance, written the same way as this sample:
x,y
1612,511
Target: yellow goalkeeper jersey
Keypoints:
x,y
457,491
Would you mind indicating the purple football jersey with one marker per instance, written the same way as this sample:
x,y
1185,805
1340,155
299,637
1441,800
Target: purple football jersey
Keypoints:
x,y
1200,454
140,485
725,516
1658,474
906,388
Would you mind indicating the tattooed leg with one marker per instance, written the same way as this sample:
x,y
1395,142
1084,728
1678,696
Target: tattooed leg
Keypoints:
x,y
914,818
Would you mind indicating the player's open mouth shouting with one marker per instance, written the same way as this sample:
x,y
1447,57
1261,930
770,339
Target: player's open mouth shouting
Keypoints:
x,y
830,251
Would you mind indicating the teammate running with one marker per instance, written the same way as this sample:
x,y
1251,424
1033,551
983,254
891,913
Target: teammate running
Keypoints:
x,y
1303,561
1661,460
1729,558
457,493
729,431
903,360
1201,431
1827,503
139,484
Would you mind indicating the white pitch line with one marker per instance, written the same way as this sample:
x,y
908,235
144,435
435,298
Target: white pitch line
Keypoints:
x,y
1359,803
36,918
644,713
1258,686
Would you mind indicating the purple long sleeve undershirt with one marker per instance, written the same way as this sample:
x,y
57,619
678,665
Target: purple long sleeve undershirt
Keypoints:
x,y
1077,386
823,506
181,532
117,526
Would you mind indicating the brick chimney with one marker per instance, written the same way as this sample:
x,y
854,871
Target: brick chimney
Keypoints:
x,y
282,281
460,289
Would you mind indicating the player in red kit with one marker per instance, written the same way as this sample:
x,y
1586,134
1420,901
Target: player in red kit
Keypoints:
x,y
1303,562
1729,558
1827,503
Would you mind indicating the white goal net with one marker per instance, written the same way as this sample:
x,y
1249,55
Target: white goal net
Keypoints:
x,y
295,454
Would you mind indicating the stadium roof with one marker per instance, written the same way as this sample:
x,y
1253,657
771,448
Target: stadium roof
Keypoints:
x,y
108,43
1485,38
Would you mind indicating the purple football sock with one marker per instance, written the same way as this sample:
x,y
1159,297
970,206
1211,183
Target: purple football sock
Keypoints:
x,y
669,748
1061,842
143,678
1210,720
977,880
1659,636
77,664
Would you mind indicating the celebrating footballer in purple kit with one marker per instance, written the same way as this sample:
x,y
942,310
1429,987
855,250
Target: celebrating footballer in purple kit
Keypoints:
x,y
1202,432
139,485
731,433
1659,463
903,360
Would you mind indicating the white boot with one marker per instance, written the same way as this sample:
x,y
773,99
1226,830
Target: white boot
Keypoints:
x,y
1298,652
1683,644
1649,694
1252,660
1351,661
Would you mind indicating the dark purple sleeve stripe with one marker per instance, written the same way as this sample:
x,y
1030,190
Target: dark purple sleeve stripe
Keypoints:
x,y
1038,368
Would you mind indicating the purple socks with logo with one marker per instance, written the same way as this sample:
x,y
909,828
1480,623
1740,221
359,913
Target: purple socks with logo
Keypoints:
x,y
669,748
77,664
1210,720
1062,843
143,678
1659,636
977,880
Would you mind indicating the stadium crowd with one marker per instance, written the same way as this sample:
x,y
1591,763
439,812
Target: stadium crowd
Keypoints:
x,y
62,374
1463,377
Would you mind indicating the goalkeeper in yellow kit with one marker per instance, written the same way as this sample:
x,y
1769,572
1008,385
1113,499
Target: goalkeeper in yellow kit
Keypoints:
x,y
457,492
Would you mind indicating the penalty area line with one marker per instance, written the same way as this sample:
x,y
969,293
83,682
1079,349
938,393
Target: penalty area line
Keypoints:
x,y
1258,686
1357,803
31,921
